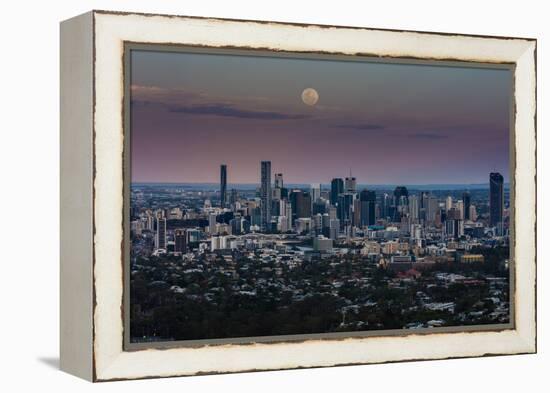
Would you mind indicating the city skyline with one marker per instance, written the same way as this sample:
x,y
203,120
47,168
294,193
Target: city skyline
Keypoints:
x,y
225,174
391,123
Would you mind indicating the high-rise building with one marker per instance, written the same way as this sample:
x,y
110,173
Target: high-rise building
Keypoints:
x,y
303,205
180,240
414,207
315,192
236,225
385,206
278,187
278,180
448,203
460,207
432,208
401,195
265,194
212,223
333,212
160,238
223,185
345,207
473,213
496,199
334,229
401,199
319,206
454,228
351,184
336,188
368,207
466,200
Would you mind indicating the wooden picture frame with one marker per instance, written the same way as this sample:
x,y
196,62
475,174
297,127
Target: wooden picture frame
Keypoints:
x,y
94,230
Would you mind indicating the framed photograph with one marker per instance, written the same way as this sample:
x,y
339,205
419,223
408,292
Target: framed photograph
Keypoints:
x,y
246,195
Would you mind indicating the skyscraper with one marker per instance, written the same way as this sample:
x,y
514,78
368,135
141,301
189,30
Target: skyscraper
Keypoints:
x,y
448,203
401,199
160,238
401,195
414,207
315,192
301,204
466,200
351,184
345,207
223,185
336,188
278,187
180,240
496,199
368,205
265,194
279,180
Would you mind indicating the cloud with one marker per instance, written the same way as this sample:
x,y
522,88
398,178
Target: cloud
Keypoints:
x,y
225,110
427,135
364,126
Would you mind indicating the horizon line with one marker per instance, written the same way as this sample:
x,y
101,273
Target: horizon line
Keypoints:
x,y
312,183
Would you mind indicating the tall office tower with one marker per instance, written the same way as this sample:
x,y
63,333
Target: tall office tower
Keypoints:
x,y
150,225
401,199
212,223
356,213
432,208
448,203
303,207
454,228
160,238
223,185
401,195
423,201
368,207
315,192
234,196
336,188
288,214
332,212
473,213
466,200
279,180
414,207
317,223
180,240
325,225
334,229
345,207
236,225
282,224
453,214
282,208
278,186
496,199
256,217
301,204
350,185
319,206
460,207
385,206
265,194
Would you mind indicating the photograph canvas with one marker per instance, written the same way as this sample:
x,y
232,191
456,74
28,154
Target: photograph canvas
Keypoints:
x,y
281,196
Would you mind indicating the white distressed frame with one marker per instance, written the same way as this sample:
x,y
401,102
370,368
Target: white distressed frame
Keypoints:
x,y
111,30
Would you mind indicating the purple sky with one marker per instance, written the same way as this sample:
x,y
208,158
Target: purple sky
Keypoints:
x,y
388,123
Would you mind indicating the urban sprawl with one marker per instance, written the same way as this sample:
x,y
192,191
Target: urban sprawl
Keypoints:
x,y
208,261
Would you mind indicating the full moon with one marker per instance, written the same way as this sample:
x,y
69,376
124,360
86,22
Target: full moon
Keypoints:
x,y
310,96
